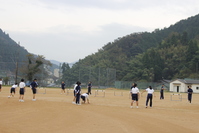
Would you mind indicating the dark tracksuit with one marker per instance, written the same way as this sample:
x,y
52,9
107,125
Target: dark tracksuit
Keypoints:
x,y
78,93
89,88
162,93
149,97
190,91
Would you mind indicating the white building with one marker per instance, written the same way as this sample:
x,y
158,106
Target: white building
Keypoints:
x,y
181,85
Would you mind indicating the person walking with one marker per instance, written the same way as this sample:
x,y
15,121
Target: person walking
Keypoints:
x,y
78,93
33,86
150,91
162,92
21,90
134,94
89,87
12,90
190,92
62,87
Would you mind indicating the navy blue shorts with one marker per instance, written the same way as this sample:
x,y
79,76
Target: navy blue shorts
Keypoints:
x,y
83,98
12,90
34,90
21,91
135,97
74,93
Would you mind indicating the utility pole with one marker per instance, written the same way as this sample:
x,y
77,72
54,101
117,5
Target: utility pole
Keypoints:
x,y
17,56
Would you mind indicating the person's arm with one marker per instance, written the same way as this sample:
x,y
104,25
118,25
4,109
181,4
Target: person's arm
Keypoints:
x,y
143,91
154,94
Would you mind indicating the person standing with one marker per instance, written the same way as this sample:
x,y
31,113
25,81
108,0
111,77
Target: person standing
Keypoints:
x,y
150,91
62,87
162,92
33,86
74,92
190,92
89,87
134,94
21,90
0,84
12,90
85,97
78,93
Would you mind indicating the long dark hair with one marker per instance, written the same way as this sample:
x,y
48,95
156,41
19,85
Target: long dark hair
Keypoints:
x,y
150,87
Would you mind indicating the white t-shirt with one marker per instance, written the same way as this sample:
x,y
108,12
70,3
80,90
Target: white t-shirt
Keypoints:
x,y
135,90
0,82
75,86
22,85
14,86
85,94
150,91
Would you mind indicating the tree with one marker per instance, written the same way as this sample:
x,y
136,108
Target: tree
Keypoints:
x,y
34,65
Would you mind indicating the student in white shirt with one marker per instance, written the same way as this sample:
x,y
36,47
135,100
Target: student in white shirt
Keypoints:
x,y
85,97
22,90
134,94
12,90
0,84
150,91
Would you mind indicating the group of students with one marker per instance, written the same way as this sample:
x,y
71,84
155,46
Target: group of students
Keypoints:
x,y
78,95
22,87
77,92
135,94
85,96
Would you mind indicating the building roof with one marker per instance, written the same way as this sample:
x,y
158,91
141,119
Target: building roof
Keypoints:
x,y
188,81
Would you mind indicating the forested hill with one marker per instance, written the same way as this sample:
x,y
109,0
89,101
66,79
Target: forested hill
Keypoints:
x,y
10,52
164,53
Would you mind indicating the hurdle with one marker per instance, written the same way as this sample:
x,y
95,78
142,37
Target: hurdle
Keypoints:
x,y
176,94
121,94
41,92
99,95
69,91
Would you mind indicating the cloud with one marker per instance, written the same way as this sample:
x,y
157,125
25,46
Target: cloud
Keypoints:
x,y
69,30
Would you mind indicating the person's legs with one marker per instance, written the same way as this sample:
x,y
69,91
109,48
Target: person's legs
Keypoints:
x,y
137,100
77,98
147,100
34,91
151,98
189,97
89,90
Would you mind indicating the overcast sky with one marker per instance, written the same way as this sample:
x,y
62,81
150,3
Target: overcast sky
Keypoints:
x,y
69,30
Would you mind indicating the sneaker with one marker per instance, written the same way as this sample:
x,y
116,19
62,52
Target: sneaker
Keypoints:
x,y
79,104
73,103
131,107
146,106
19,100
137,107
8,96
33,99
22,100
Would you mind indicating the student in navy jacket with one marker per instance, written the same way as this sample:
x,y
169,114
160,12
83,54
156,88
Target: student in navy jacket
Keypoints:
x,y
78,93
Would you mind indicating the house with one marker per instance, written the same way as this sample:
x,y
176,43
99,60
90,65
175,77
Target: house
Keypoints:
x,y
180,85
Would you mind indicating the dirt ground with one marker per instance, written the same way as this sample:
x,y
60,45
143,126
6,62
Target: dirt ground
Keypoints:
x,y
55,113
